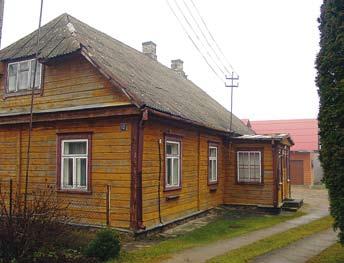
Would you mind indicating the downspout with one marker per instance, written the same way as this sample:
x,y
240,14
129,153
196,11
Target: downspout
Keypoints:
x,y
159,181
274,174
139,154
289,179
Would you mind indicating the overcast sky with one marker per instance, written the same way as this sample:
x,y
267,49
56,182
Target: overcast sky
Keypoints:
x,y
272,44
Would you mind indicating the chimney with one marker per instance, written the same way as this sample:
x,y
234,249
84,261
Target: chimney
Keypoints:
x,y
177,66
149,49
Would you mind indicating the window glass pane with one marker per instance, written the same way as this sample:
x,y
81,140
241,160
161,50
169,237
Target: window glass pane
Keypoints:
x,y
175,171
210,169
75,148
172,148
81,171
68,172
169,171
214,170
23,75
38,74
244,174
12,77
212,152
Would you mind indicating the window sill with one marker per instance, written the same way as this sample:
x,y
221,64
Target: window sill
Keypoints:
x,y
172,188
213,188
212,183
250,183
74,191
22,93
172,197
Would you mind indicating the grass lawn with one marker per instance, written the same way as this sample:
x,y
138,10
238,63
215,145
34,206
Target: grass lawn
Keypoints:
x,y
249,252
224,227
333,254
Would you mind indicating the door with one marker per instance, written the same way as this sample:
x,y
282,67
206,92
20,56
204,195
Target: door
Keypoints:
x,y
296,172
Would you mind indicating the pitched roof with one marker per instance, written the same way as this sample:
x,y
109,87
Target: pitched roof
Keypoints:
x,y
304,132
147,81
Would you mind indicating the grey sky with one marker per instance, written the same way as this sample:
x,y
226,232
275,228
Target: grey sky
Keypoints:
x,y
272,44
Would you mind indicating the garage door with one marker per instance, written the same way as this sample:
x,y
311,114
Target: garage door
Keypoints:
x,y
296,171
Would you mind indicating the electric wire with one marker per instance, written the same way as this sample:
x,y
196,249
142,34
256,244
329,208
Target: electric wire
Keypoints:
x,y
197,37
211,35
193,42
205,37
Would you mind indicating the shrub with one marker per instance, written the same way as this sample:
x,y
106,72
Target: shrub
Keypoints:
x,y
106,245
25,231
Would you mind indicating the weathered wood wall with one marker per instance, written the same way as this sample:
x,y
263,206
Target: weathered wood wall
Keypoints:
x,y
249,194
111,165
195,194
72,82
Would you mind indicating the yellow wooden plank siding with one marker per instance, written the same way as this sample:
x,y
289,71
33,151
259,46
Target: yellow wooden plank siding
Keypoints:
x,y
111,165
195,194
249,194
68,83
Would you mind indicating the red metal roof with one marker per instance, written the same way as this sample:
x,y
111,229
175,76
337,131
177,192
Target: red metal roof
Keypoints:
x,y
304,132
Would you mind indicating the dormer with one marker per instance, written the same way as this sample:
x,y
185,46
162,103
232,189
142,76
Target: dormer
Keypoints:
x,y
19,77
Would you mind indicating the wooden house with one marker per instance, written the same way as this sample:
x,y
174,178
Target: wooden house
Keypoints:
x,y
304,154
125,140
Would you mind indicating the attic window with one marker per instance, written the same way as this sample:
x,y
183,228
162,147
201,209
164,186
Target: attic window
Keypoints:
x,y
20,76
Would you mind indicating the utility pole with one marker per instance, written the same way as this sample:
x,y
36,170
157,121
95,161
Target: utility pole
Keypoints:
x,y
233,83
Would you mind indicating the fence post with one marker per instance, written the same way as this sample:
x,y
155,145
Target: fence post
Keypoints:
x,y
11,199
108,193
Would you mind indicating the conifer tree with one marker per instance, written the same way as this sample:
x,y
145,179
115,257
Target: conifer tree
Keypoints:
x,y
330,82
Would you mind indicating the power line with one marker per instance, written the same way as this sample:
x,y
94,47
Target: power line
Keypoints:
x,y
206,39
193,42
197,36
211,35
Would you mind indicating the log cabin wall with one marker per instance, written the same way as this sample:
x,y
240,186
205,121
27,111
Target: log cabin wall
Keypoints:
x,y
110,167
249,194
71,82
195,194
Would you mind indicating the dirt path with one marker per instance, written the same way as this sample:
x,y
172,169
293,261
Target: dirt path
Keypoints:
x,y
301,250
316,205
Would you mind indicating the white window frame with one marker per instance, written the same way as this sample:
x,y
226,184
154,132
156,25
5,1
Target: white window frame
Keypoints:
x,y
39,66
212,178
74,157
250,180
172,157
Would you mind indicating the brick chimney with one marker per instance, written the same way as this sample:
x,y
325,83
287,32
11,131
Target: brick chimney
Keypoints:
x,y
177,66
149,49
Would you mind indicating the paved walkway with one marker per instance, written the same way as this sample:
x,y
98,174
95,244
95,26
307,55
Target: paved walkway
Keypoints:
x,y
301,250
317,207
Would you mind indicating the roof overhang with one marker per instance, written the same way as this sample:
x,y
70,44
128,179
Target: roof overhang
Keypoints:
x,y
270,138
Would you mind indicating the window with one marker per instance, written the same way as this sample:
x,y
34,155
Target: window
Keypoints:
x,y
74,162
172,164
21,74
212,166
249,168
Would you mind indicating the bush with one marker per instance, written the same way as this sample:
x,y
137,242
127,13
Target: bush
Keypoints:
x,y
23,232
106,245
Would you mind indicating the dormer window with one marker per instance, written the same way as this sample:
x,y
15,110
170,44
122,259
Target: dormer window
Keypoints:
x,y
20,76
